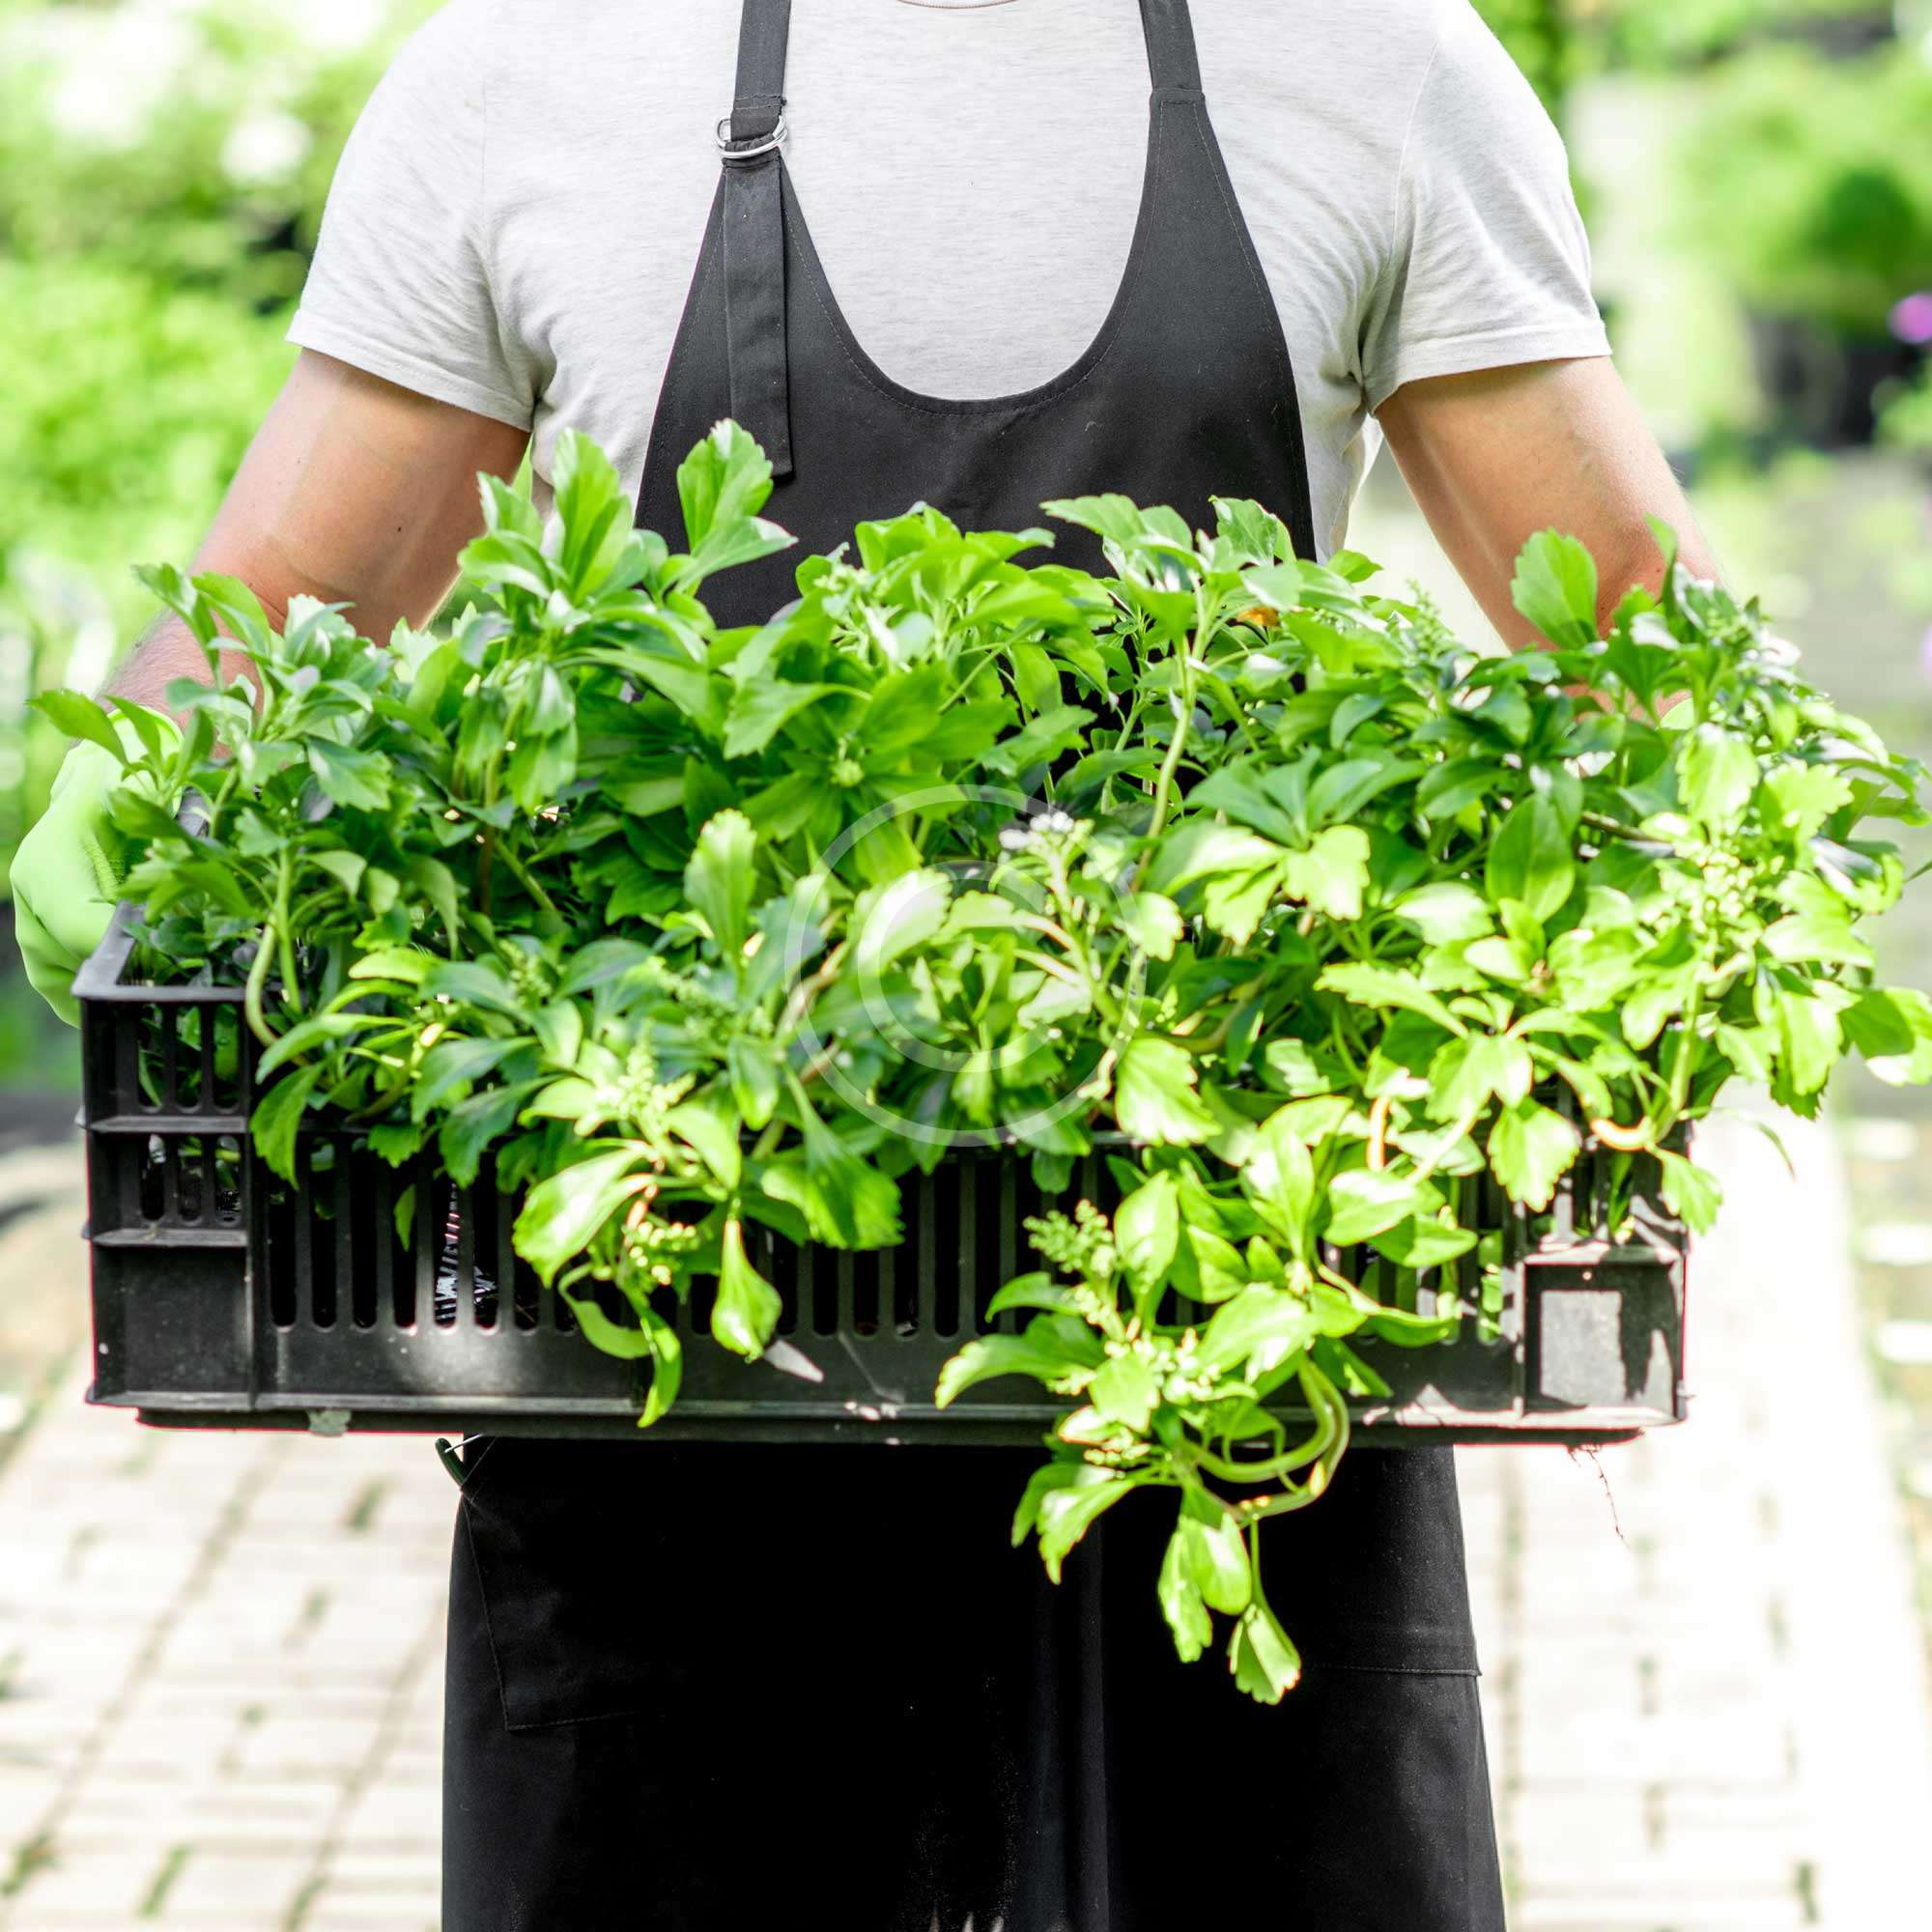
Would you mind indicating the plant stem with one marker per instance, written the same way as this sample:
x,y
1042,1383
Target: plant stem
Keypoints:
x,y
258,978
1183,716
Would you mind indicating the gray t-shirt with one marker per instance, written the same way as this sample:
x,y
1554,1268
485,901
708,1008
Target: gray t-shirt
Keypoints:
x,y
515,223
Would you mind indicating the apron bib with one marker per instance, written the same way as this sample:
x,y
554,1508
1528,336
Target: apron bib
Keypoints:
x,y
710,1689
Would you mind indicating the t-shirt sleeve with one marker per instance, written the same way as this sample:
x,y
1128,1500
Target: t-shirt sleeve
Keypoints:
x,y
1490,265
400,285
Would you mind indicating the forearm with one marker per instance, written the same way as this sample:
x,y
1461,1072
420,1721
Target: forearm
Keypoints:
x,y
1495,456
168,651
353,492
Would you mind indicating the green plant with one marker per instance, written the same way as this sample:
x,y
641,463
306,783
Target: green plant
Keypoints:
x,y
1222,852
1541,35
193,144
162,172
1678,33
1805,182
131,407
1907,421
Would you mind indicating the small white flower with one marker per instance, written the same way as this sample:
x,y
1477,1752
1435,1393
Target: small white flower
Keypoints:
x,y
1015,838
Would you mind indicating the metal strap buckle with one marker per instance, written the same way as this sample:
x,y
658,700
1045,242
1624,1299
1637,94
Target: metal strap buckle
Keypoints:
x,y
746,152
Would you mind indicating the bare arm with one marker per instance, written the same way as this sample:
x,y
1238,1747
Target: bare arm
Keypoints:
x,y
1496,456
355,492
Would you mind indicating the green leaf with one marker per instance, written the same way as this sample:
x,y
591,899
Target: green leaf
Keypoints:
x,y
1033,1290
845,1200
753,1068
1530,857
279,1118
1370,985
666,1366
450,1066
1364,1202
1818,929
1809,1041
1262,1327
1891,1026
1154,1098
1180,1600
722,485
1040,740
1062,1472
1452,787
79,717
475,983
1716,776
404,964
760,711
560,1030
746,1314
318,1030
1691,1194
1209,1269
1466,1072
472,1126
1446,912
1126,1391
356,779
1200,849
903,708
1556,589
1423,1243
1216,1553
708,1124
1068,1512
397,1142
1531,1149
696,692
892,919
628,1345
591,510
1332,874
563,1213
1279,1177
1146,1232
987,1357
1265,1664
1802,796
718,881
1152,922
1593,968
158,735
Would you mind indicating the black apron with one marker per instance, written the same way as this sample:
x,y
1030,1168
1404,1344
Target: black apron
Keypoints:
x,y
698,1689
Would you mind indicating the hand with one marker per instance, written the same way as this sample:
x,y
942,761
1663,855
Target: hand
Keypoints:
x,y
67,876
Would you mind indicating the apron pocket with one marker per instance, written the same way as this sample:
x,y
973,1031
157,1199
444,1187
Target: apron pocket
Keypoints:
x,y
664,1580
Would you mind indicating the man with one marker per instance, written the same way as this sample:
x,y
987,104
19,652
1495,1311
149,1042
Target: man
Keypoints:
x,y
721,1688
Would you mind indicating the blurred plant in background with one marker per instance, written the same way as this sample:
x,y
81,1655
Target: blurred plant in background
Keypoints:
x,y
1664,34
191,140
164,167
1808,184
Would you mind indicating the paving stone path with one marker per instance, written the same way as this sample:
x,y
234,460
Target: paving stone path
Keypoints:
x,y
220,1658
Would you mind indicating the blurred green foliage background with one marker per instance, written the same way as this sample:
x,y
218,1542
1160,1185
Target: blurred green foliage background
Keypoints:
x,y
1758,174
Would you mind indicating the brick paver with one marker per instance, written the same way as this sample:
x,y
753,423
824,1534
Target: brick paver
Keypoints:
x,y
220,1657
1708,1713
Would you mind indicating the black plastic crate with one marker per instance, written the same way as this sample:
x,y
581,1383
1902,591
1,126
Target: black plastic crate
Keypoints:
x,y
224,1297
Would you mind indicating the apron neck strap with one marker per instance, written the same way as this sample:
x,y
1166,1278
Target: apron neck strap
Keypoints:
x,y
1170,46
765,27
764,30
